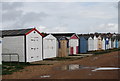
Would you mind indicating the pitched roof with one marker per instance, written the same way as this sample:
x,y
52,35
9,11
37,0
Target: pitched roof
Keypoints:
x,y
17,32
62,34
74,36
86,36
63,38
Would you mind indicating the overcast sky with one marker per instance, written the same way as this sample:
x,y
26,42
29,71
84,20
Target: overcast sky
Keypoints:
x,y
79,17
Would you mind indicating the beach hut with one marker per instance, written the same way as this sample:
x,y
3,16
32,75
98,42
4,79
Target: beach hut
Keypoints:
x,y
114,43
0,50
107,43
83,44
118,40
99,43
118,43
103,43
95,42
90,43
114,40
50,46
63,49
73,44
59,35
23,45
110,42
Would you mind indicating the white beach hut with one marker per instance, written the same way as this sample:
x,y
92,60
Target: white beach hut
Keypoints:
x,y
114,41
74,44
103,43
95,42
23,45
90,44
50,47
110,42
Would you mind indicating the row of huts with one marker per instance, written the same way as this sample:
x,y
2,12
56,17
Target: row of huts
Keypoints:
x,y
29,45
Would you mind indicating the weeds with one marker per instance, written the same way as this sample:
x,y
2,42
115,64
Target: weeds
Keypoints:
x,y
9,68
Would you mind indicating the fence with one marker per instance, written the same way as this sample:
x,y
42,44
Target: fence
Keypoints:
x,y
10,57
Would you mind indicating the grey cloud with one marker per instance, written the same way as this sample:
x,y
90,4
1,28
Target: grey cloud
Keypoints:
x,y
30,19
11,15
11,6
75,17
33,17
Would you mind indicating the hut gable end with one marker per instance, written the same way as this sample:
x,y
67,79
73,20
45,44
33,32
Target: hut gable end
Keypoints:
x,y
74,37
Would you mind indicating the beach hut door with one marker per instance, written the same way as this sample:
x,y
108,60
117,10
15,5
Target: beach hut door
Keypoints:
x,y
71,50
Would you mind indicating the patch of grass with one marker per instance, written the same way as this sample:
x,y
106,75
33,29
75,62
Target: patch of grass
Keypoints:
x,y
75,55
104,51
63,58
9,68
39,64
59,58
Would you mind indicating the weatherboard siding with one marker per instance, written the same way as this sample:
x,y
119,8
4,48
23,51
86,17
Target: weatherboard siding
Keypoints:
x,y
103,44
95,43
13,44
90,44
63,48
83,46
116,44
99,43
74,43
49,47
33,47
119,44
110,43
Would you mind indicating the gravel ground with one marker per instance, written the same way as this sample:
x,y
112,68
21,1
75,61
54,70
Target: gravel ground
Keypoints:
x,y
74,69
